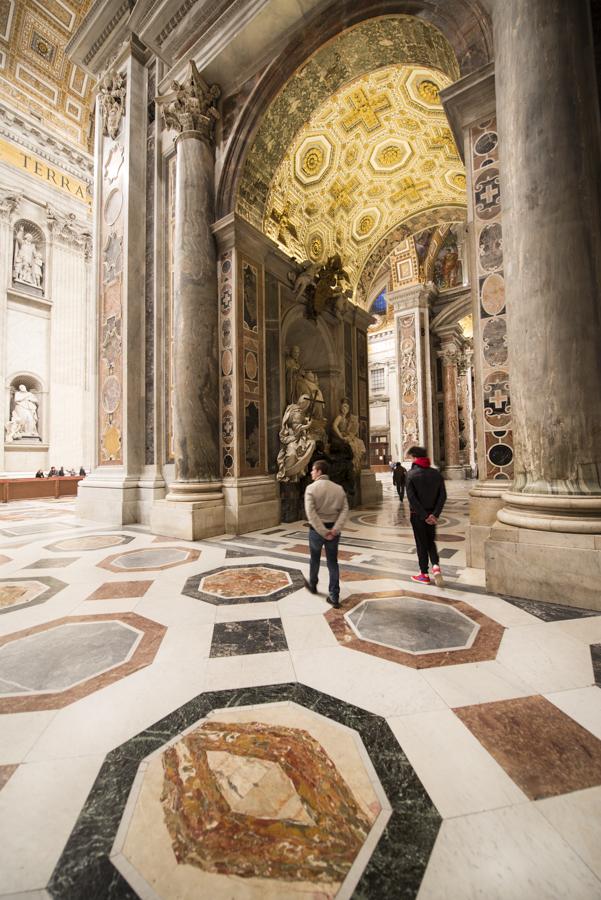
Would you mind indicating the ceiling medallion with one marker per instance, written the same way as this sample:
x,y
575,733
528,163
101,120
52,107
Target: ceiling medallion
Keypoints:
x,y
429,91
312,161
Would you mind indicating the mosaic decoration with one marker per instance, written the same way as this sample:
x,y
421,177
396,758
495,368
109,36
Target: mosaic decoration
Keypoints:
x,y
418,636
90,542
354,750
376,153
492,326
17,593
404,265
250,365
37,76
407,342
227,374
52,665
150,558
244,584
110,350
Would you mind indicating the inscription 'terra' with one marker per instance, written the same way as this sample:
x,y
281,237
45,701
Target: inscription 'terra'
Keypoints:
x,y
57,178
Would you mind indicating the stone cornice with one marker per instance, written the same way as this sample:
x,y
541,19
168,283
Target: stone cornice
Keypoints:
x,y
469,99
31,135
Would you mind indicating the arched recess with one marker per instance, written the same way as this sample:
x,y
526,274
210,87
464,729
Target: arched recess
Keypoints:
x,y
452,313
364,292
15,429
454,36
318,353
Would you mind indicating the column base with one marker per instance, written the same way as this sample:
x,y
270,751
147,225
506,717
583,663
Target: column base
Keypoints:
x,y
189,521
551,566
371,488
484,503
454,473
251,503
108,497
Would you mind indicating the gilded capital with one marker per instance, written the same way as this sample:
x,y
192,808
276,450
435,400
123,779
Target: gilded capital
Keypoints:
x,y
190,106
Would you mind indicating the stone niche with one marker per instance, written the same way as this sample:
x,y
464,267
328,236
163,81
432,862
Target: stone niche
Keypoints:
x,y
28,258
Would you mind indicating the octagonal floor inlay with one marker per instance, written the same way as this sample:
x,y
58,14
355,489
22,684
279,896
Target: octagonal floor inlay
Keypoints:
x,y
50,665
91,542
417,631
244,584
278,796
415,626
154,558
16,593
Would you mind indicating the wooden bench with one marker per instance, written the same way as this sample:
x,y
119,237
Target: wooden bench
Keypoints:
x,y
38,488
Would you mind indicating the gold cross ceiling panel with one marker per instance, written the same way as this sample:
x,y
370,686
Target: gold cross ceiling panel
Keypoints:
x,y
35,75
377,152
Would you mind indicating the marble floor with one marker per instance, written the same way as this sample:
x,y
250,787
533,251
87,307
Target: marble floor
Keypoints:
x,y
183,720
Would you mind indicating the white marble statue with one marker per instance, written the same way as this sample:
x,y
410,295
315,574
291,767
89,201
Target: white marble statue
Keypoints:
x,y
296,444
345,427
24,419
28,263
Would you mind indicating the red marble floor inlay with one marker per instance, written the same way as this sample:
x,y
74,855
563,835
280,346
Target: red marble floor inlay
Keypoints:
x,y
116,590
5,774
360,576
542,749
342,554
251,581
485,645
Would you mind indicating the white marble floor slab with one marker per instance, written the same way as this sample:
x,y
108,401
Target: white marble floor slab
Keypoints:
x,y
549,660
481,682
577,818
583,705
505,854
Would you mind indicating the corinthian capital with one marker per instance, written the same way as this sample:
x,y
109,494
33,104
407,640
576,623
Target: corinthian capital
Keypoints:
x,y
190,106
9,204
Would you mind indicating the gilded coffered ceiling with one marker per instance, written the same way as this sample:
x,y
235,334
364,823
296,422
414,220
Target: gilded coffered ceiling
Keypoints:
x,y
35,75
377,153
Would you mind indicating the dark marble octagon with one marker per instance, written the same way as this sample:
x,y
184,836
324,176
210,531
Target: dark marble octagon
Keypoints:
x,y
396,865
195,585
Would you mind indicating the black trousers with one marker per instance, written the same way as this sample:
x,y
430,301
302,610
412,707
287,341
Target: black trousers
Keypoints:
x,y
425,541
400,489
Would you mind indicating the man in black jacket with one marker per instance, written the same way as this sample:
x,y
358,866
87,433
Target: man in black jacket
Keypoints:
x,y
427,495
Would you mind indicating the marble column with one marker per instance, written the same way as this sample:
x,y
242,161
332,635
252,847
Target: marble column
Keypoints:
x,y
194,506
196,405
449,355
550,148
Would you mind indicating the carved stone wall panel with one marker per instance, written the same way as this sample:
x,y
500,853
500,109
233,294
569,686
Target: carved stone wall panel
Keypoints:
x,y
250,362
362,390
110,345
408,380
272,365
227,375
492,325
149,368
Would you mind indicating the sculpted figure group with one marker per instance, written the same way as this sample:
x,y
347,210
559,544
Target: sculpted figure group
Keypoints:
x,y
304,425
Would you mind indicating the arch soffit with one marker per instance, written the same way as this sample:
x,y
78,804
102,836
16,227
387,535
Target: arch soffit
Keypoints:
x,y
452,313
378,258
457,32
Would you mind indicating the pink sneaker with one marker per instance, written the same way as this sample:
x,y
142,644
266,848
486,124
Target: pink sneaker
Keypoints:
x,y
421,579
438,579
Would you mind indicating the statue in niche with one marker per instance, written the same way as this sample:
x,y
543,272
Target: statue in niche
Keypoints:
x,y
190,106
28,266
296,445
112,102
24,419
345,428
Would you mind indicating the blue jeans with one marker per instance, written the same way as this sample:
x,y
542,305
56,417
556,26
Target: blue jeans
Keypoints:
x,y
316,542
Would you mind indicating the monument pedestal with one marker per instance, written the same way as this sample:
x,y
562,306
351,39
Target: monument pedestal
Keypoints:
x,y
251,503
485,500
370,487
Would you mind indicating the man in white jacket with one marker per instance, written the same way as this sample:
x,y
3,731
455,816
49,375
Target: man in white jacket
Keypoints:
x,y
326,508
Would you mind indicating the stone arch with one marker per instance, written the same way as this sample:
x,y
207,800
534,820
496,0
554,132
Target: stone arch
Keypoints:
x,y
28,256
453,35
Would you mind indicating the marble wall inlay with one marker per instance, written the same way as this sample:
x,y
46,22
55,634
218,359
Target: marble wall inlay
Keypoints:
x,y
244,584
227,372
150,558
410,629
52,665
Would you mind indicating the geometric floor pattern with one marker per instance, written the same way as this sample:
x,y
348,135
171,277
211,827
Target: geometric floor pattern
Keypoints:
x,y
207,727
